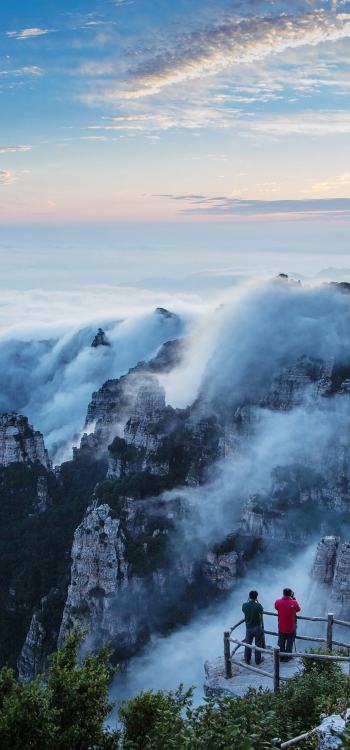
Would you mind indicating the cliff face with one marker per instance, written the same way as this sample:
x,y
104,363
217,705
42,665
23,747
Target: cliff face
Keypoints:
x,y
112,405
307,375
99,570
340,597
128,578
20,443
331,574
325,560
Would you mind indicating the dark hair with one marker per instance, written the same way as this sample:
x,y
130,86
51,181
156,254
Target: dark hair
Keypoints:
x,y
253,594
287,592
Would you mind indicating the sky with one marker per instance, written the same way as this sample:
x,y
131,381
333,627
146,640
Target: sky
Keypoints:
x,y
151,111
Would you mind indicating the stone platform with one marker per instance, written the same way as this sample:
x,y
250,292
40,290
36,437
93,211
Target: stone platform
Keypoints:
x,y
242,679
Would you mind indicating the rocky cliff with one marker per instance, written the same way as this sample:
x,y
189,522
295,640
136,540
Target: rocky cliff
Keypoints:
x,y
127,575
20,443
331,574
99,570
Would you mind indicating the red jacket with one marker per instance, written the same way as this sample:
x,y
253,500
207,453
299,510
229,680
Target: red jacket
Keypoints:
x,y
287,609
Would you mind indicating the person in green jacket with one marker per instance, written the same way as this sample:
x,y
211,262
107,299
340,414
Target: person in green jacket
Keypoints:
x,y
253,615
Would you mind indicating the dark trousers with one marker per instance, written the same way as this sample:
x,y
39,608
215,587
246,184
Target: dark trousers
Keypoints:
x,y
252,634
286,643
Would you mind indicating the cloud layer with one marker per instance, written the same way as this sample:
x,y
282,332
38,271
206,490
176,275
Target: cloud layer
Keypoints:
x,y
230,43
336,208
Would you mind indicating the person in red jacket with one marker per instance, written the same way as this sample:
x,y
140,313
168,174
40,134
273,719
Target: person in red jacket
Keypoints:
x,y
287,608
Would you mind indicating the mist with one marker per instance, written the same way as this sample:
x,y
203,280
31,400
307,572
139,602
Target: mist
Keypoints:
x,y
51,379
257,329
180,657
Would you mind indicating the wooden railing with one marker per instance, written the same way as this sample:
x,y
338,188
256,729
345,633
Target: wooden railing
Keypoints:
x,y
277,654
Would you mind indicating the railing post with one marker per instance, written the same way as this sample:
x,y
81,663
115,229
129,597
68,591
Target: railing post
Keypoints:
x,y
227,655
276,669
330,619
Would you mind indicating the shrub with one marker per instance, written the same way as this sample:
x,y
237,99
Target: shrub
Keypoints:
x,y
150,717
154,721
68,711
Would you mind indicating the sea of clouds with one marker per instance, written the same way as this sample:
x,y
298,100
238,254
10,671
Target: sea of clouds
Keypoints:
x,y
235,341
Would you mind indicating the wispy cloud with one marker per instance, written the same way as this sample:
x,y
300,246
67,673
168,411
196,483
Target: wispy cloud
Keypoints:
x,y
231,43
5,177
305,123
226,206
188,117
26,70
27,33
341,182
93,68
14,149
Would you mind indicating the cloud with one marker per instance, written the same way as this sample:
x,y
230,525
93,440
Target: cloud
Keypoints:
x,y
226,206
188,117
5,177
14,149
231,43
94,68
340,182
27,33
317,123
32,70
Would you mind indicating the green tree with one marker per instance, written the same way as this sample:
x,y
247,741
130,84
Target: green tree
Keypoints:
x,y
66,712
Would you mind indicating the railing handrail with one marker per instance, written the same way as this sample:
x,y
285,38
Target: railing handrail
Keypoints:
x,y
305,637
341,622
277,653
249,645
298,617
240,622
310,619
294,654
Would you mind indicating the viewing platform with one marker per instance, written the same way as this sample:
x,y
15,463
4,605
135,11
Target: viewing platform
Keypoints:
x,y
229,675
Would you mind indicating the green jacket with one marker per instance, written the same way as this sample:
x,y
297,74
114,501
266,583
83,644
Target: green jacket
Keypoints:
x,y
253,613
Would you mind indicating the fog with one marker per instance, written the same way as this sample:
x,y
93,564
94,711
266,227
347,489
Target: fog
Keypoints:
x,y
179,657
259,327
51,379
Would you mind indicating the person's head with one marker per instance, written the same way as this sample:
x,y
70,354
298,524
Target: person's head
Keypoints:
x,y
253,595
287,592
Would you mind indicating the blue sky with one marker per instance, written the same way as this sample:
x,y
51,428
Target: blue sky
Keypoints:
x,y
161,111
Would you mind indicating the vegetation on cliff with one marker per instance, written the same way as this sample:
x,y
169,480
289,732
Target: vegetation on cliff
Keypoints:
x,y
35,547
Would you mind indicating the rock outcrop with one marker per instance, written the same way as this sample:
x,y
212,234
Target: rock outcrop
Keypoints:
x,y
325,560
340,597
20,443
221,570
99,569
331,575
32,657
41,638
100,339
306,377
